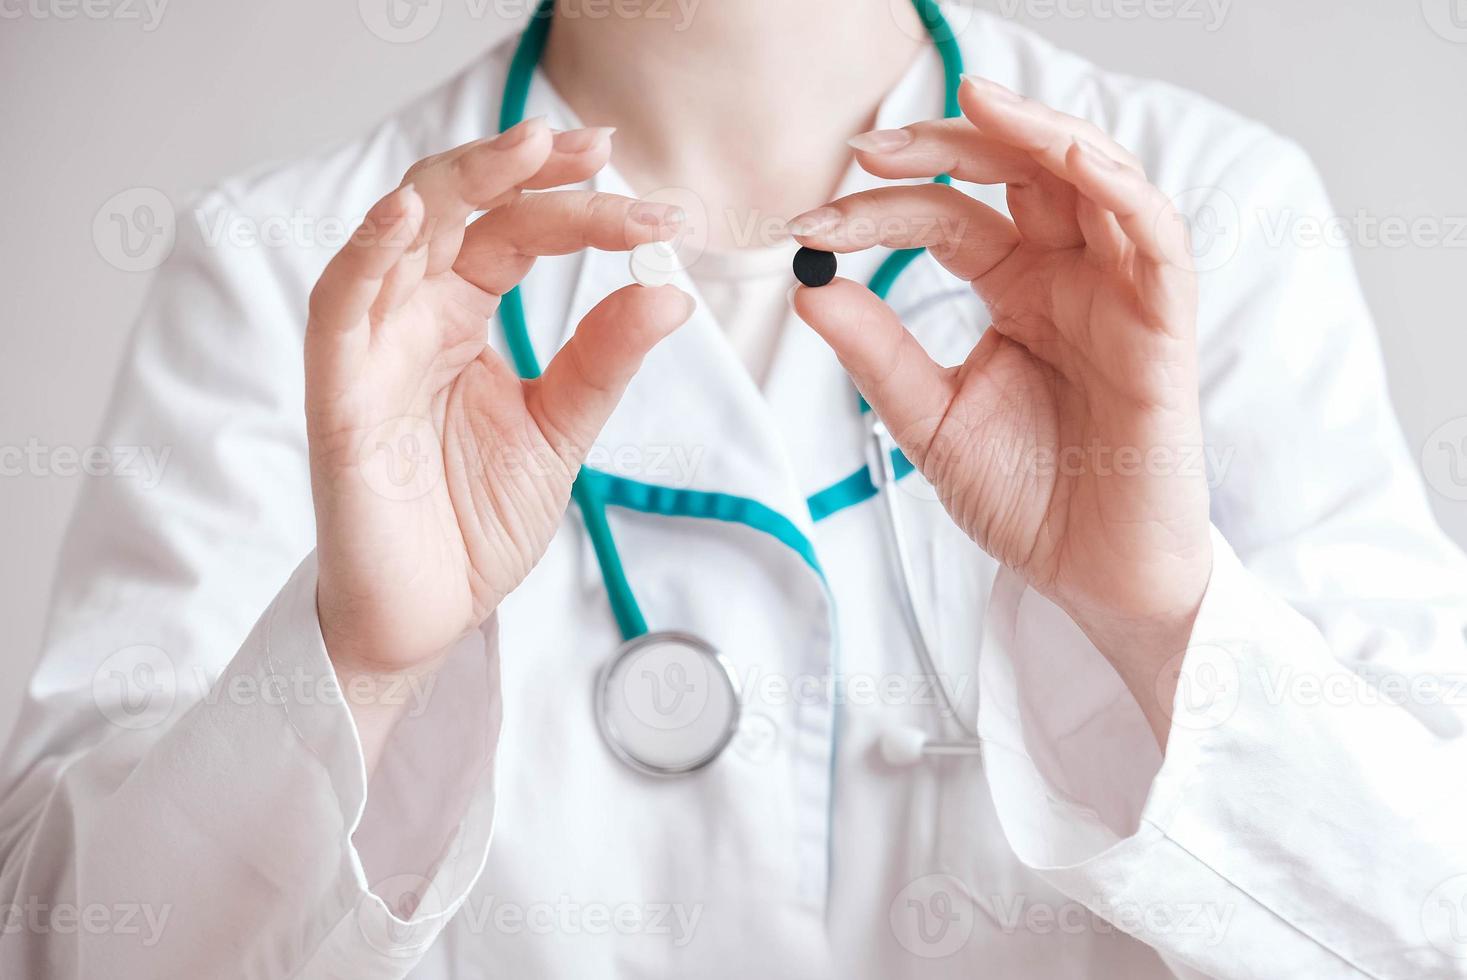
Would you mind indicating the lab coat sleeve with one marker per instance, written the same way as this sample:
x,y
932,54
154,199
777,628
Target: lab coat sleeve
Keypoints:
x,y
184,794
1309,817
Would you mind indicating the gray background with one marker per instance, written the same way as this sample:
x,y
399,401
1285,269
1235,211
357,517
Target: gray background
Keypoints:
x,y
114,96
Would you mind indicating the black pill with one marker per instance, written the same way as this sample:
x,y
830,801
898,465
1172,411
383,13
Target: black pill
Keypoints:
x,y
814,267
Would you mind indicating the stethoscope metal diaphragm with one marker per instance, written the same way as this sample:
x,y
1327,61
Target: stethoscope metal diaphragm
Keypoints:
x,y
667,703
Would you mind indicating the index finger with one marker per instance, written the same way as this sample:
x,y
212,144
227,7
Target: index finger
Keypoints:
x,y
500,247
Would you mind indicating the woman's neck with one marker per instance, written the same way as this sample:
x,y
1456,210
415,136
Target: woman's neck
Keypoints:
x,y
745,103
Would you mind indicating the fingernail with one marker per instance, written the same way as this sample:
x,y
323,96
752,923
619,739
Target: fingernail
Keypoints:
x,y
880,141
396,229
517,134
406,198
657,215
993,90
690,305
1096,155
814,222
789,297
581,140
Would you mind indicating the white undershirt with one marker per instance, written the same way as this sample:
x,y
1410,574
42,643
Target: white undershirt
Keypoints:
x,y
747,292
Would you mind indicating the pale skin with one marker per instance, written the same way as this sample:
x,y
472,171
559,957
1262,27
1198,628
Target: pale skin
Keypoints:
x,y
1093,341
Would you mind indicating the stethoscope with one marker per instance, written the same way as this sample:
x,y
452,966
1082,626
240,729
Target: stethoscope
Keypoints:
x,y
667,702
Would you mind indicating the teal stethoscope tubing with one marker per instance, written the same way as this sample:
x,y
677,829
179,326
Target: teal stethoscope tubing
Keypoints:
x,y
624,605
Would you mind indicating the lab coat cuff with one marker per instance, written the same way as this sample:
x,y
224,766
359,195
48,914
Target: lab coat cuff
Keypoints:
x,y
1212,722
1067,745
1196,862
1087,773
294,663
417,841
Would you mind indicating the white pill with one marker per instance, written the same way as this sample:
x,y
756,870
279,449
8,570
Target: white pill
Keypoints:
x,y
655,263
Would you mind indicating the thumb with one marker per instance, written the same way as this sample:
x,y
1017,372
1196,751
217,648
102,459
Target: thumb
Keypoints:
x,y
584,382
908,390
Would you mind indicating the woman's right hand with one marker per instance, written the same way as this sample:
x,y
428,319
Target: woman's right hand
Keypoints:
x,y
438,475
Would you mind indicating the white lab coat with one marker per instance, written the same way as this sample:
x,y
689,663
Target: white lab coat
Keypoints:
x,y
184,795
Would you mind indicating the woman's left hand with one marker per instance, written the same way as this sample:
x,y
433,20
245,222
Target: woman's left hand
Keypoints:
x,y
1065,444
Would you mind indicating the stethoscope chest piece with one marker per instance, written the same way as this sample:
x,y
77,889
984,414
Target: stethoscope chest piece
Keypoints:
x,y
667,703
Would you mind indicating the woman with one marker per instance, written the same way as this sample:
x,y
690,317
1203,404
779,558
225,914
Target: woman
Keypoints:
x,y
397,769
